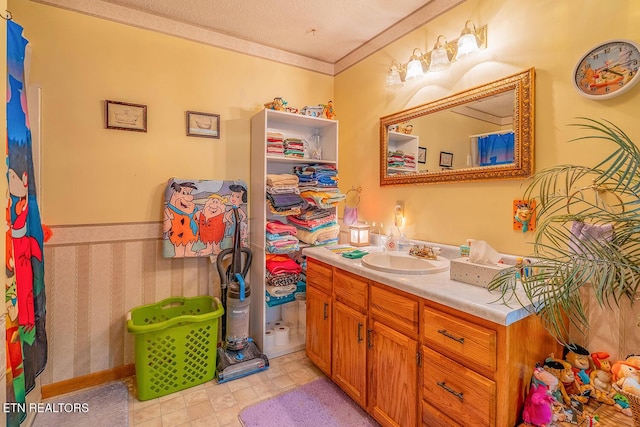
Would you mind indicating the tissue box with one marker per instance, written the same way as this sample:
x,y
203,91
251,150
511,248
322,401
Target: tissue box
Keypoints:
x,y
474,274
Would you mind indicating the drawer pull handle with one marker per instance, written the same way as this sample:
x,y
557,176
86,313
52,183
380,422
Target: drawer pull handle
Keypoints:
x,y
369,341
457,394
448,335
325,316
359,332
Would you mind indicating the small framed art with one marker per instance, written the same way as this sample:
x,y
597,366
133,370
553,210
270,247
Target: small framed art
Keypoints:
x,y
125,116
204,125
446,159
422,155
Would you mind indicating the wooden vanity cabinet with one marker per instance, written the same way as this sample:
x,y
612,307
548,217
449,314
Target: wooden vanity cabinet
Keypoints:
x,y
319,314
349,344
410,361
393,355
475,372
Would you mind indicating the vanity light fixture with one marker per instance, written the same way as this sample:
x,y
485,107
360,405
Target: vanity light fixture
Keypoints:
x,y
414,67
468,42
393,76
441,57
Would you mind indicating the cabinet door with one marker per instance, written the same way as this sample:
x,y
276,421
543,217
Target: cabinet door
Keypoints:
x,y
318,337
350,352
394,377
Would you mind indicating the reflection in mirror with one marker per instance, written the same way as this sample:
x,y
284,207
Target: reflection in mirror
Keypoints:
x,y
484,133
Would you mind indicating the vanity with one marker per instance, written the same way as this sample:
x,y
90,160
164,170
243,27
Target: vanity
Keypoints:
x,y
420,350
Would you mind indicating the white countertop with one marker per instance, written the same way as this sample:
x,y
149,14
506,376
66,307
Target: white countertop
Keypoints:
x,y
437,287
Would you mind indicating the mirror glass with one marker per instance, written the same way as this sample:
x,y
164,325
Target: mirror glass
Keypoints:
x,y
483,133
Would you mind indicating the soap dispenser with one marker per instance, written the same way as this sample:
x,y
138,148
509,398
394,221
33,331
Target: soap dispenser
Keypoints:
x,y
392,242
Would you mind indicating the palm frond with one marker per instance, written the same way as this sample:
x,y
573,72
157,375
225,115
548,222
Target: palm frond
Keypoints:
x,y
567,261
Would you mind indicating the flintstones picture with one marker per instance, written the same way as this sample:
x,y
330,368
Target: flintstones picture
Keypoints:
x,y
198,217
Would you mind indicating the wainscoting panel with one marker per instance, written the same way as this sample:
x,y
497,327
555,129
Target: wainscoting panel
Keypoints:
x,y
94,276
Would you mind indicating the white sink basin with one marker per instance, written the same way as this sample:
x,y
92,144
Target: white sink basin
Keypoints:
x,y
403,263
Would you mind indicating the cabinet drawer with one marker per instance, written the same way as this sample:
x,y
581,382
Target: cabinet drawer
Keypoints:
x,y
319,275
462,340
351,290
394,309
431,417
464,395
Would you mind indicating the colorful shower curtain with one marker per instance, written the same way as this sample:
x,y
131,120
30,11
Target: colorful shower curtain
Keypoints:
x,y
26,339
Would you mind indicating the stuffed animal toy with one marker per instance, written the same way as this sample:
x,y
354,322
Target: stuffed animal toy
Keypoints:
x,y
537,406
633,360
578,358
626,378
564,375
602,378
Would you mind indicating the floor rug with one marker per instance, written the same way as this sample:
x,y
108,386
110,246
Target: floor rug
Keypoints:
x,y
319,403
103,406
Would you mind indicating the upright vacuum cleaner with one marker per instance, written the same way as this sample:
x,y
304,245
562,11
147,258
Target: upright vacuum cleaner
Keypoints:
x,y
238,356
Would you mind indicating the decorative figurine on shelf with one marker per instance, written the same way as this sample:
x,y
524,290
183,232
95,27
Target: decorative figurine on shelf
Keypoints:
x,y
278,104
405,127
538,403
328,111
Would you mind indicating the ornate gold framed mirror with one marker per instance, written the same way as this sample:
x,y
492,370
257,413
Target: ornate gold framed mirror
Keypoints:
x,y
483,133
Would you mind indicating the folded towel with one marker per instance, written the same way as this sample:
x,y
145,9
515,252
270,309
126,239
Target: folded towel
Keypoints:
x,y
276,226
321,235
281,179
281,291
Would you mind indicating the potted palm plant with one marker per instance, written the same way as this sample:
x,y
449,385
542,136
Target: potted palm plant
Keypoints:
x,y
587,236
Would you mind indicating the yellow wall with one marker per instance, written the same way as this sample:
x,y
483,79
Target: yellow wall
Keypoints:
x,y
548,35
95,175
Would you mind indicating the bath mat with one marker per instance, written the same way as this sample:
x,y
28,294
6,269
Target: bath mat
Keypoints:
x,y
319,403
103,406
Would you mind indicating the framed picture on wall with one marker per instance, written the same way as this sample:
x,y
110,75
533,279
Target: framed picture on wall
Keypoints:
x,y
446,159
204,125
422,155
125,116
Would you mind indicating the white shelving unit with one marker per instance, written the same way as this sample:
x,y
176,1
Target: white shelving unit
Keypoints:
x,y
407,144
291,126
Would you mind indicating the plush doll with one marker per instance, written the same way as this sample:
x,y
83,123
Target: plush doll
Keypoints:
x,y
544,376
602,378
626,378
562,371
537,406
578,358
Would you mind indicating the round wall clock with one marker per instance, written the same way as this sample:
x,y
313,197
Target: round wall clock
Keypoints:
x,y
609,69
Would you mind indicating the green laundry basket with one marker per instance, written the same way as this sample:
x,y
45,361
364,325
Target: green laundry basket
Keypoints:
x,y
175,344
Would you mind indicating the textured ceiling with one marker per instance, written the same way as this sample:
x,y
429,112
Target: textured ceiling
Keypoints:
x,y
325,30
327,37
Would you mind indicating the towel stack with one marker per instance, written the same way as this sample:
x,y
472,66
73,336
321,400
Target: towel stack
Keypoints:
x,y
294,147
283,195
283,279
281,238
400,159
275,143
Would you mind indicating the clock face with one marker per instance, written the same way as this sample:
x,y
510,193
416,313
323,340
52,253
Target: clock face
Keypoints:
x,y
608,70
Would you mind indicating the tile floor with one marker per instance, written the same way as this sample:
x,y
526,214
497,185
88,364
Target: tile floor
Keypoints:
x,y
212,404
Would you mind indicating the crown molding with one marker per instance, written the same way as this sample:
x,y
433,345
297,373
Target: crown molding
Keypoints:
x,y
123,15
